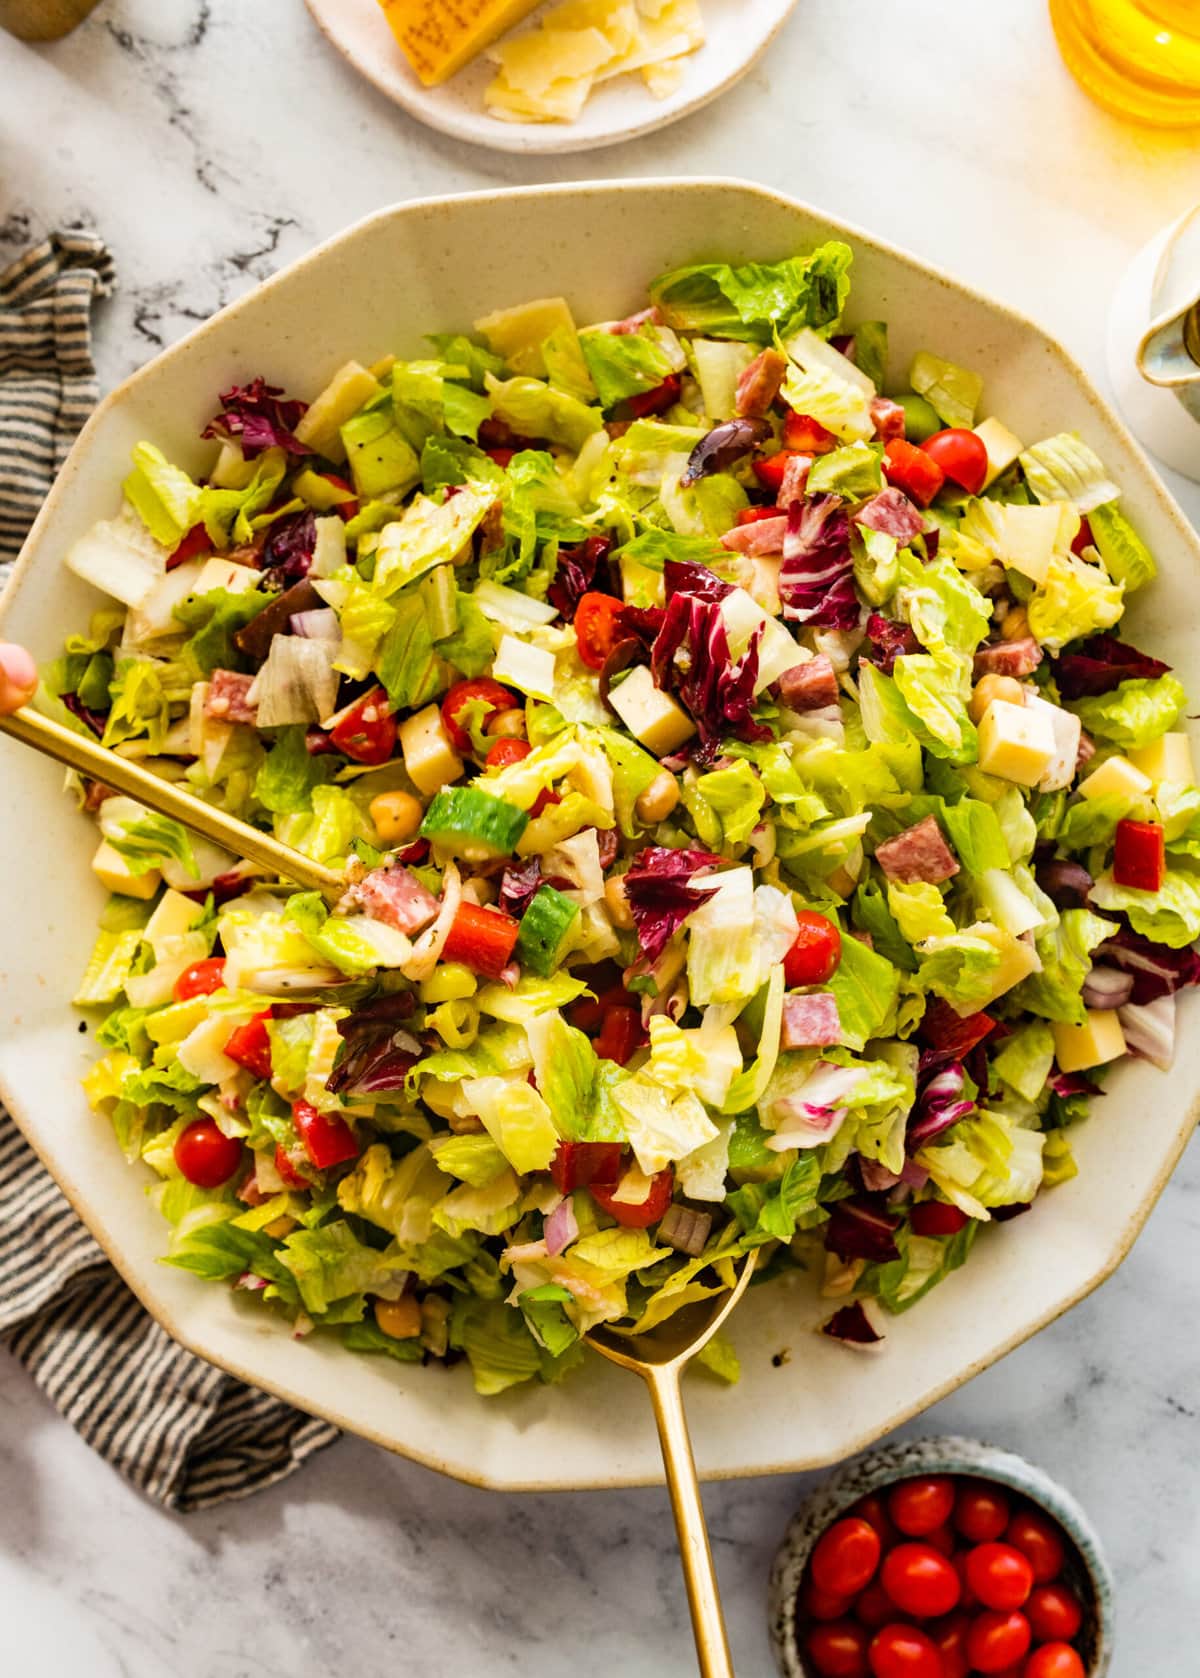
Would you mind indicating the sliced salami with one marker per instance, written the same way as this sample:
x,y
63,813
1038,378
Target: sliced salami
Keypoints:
x,y
920,853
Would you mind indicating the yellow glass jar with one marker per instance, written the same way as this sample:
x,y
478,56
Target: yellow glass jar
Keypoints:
x,y
1138,58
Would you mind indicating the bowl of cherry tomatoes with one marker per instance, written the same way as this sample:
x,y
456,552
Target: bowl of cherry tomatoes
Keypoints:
x,y
941,1558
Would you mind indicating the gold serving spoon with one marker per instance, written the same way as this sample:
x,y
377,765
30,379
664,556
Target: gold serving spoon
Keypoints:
x,y
98,763
660,1358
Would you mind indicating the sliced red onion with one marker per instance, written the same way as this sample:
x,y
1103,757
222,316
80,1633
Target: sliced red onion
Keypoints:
x,y
1107,987
684,1229
854,1326
562,1227
914,1176
1157,970
320,624
1150,1030
250,1282
876,1178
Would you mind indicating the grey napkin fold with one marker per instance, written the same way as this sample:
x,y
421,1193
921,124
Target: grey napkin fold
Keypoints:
x,y
182,1432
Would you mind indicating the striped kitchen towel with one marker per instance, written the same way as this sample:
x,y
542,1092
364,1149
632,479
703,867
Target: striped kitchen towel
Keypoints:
x,y
179,1430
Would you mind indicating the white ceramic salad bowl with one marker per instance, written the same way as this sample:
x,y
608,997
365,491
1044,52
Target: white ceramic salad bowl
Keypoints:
x,y
436,265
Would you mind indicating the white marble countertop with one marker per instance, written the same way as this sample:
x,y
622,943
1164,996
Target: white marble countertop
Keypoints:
x,y
212,140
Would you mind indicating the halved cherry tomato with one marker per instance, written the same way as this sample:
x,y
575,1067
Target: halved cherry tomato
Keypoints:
x,y
205,1156
291,1177
998,1640
650,1210
197,541
1054,1612
1039,1541
921,1506
909,468
482,690
659,399
816,951
502,457
938,1217
250,1045
980,1509
202,978
821,1605
950,1641
1139,855
961,455
1054,1660
846,1556
1000,1575
367,731
769,472
597,627
806,435
621,1033
839,1650
482,939
328,1139
874,1607
899,1651
755,515
506,751
1084,538
920,1581
577,1165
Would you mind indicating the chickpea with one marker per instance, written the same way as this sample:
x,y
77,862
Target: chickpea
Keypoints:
x,y
397,816
506,725
619,912
658,800
990,688
401,1318
1014,625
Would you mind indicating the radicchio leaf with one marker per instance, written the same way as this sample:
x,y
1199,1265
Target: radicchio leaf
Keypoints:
x,y
287,552
260,416
1157,971
378,1055
941,1099
518,886
816,580
1101,664
889,641
95,720
862,1228
580,567
1067,1084
660,893
950,1034
852,1326
691,657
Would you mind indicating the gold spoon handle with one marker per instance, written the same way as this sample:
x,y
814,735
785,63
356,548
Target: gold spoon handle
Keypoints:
x,y
99,764
704,1600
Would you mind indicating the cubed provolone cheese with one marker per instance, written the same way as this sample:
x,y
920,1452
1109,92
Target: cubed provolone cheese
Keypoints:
x,y
429,756
1002,447
1060,771
524,666
173,915
1098,1040
650,715
1016,742
112,870
1166,759
320,427
1029,537
1115,775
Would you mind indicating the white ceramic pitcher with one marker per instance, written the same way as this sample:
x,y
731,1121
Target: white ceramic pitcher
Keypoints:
x,y
1154,344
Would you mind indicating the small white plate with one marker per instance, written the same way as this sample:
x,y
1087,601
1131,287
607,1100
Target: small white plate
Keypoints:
x,y
739,31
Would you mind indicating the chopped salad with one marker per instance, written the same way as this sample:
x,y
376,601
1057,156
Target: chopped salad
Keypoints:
x,y
757,832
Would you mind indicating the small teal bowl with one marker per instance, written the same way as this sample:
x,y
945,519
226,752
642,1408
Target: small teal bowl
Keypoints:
x,y
1086,1570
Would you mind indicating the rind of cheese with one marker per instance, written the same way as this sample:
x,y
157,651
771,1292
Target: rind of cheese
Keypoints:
x,y
439,36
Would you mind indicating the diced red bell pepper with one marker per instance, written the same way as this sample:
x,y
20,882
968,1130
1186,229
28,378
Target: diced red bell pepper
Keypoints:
x,y
202,978
909,468
937,1217
953,1033
590,1012
502,457
292,1178
481,939
658,400
807,435
1084,539
197,541
506,751
578,1164
328,1139
546,796
769,472
1140,858
367,731
640,1216
345,510
250,1045
754,515
621,1033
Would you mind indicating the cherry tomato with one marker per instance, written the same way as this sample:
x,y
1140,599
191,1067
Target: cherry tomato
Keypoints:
x,y
1000,1575
816,953
968,1599
938,1217
1084,538
874,1511
597,627
197,541
899,1651
950,1641
839,1650
822,1605
1038,1539
1054,1660
250,1045
846,1556
921,1506
1054,1612
200,979
482,689
755,515
806,435
961,455
506,752
912,470
658,400
920,1581
662,1187
283,1164
997,1640
367,731
769,472
942,1541
874,1607
577,1164
980,1510
205,1156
